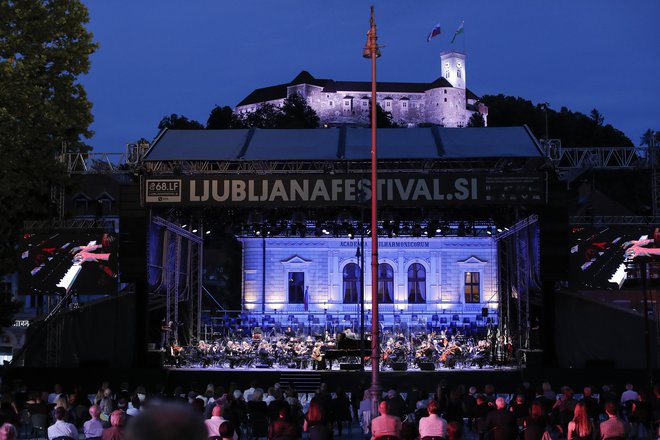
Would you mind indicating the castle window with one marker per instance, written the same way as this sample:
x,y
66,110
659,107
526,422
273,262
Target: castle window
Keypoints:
x,y
388,103
351,277
445,91
446,73
445,99
364,103
404,104
330,103
458,73
416,284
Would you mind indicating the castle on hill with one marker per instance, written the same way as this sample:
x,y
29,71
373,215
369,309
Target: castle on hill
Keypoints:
x,y
445,102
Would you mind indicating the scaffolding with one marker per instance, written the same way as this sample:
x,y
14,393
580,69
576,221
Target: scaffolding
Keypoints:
x,y
518,267
183,278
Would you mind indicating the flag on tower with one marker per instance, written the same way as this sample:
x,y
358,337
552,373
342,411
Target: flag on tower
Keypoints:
x,y
458,31
434,32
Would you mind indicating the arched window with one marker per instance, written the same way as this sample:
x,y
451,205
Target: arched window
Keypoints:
x,y
458,73
416,284
351,277
447,73
385,284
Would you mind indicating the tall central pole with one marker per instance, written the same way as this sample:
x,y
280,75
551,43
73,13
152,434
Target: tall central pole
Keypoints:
x,y
372,51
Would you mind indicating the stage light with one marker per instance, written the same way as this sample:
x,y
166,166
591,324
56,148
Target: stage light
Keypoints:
x,y
208,232
499,230
194,231
489,230
184,226
326,232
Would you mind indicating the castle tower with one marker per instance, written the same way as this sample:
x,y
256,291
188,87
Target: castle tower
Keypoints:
x,y
453,68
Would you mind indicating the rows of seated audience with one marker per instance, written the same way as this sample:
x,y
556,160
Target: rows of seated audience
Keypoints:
x,y
280,413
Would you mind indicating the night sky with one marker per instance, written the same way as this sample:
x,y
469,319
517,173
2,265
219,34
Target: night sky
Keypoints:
x,y
161,57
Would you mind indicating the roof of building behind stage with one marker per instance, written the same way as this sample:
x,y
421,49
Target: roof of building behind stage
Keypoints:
x,y
343,143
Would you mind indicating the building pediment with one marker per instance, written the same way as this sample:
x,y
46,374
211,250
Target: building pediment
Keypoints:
x,y
295,260
472,261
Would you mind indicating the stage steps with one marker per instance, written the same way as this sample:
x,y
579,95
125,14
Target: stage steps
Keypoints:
x,y
302,381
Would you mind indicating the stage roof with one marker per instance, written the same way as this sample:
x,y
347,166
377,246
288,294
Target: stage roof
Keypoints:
x,y
345,143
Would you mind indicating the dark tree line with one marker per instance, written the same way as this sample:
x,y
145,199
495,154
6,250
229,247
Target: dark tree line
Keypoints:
x,y
573,128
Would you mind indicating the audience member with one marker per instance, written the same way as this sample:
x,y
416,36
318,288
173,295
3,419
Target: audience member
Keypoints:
x,y
167,421
116,429
581,427
433,425
62,428
385,424
316,423
93,428
501,424
8,432
536,423
613,427
282,428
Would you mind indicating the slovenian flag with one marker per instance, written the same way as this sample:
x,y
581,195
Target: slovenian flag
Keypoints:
x,y
434,32
458,32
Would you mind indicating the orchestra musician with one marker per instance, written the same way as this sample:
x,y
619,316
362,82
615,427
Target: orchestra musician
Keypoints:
x,y
174,353
318,359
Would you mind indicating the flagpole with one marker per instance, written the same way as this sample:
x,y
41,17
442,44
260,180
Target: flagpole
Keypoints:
x,y
371,50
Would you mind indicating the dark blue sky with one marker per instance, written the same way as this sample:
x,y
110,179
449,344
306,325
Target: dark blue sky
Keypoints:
x,y
171,56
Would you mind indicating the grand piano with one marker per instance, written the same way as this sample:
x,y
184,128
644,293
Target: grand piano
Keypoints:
x,y
347,350
48,267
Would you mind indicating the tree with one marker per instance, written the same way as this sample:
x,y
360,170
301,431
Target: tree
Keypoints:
x,y
265,116
296,113
383,118
573,128
44,48
648,137
476,120
176,122
222,118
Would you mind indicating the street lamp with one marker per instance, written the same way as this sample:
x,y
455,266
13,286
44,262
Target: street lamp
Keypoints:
x,y
372,50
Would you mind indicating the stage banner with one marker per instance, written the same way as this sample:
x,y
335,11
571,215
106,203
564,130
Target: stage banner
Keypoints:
x,y
342,190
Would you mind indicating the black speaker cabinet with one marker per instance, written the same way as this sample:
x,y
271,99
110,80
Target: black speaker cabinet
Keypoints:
x,y
426,366
484,312
399,366
349,367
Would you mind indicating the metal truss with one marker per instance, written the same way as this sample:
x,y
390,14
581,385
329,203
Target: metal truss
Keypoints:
x,y
182,285
332,167
76,223
516,267
631,220
603,157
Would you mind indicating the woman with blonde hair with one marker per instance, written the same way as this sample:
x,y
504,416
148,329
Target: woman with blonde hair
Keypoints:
x,y
581,427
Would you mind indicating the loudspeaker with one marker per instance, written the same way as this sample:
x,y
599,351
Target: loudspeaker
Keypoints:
x,y
426,366
484,312
349,367
399,366
155,359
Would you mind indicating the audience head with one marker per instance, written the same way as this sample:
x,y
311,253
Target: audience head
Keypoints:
x,y
454,431
382,407
117,418
587,391
217,411
611,408
580,412
500,403
59,413
167,422
537,409
8,432
94,412
432,407
315,411
226,429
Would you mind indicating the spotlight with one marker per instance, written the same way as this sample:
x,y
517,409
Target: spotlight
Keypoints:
x,y
208,232
489,230
184,226
194,231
